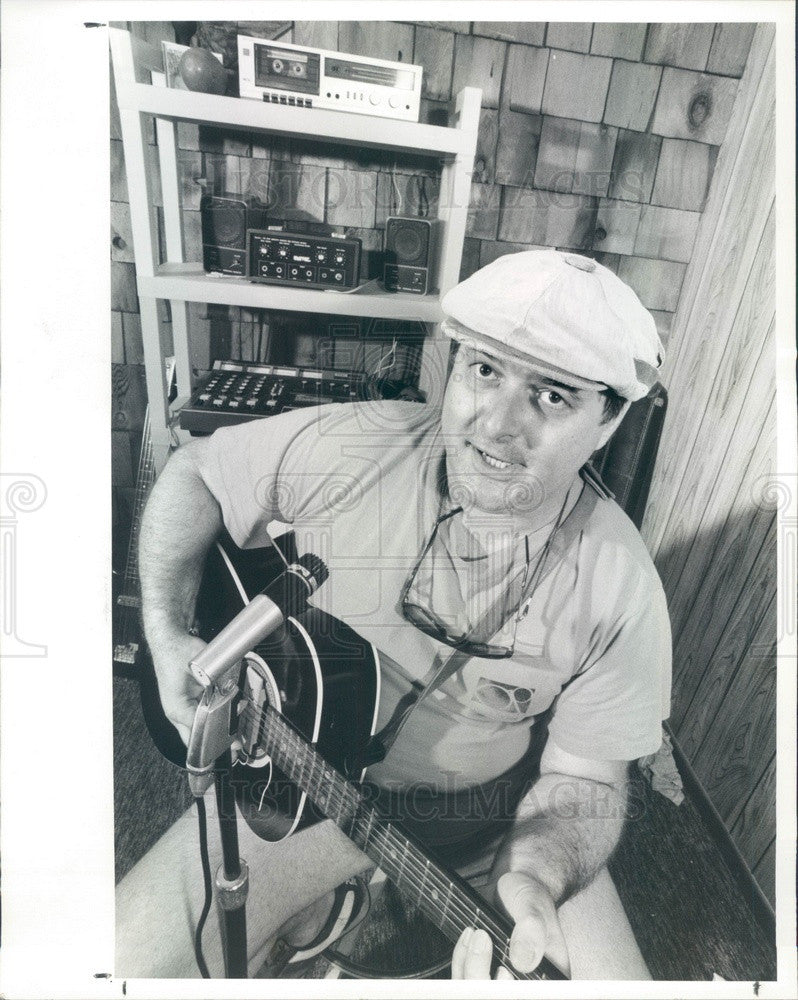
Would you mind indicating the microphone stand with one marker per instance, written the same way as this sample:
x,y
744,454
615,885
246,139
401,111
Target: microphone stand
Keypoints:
x,y
209,761
232,877
209,757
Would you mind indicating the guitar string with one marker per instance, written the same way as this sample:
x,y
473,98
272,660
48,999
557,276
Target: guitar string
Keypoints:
x,y
449,912
146,465
141,499
468,912
131,578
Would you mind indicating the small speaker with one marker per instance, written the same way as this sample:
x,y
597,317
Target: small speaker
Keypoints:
x,y
411,254
225,220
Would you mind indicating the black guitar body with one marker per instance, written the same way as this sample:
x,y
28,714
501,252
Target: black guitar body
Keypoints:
x,y
319,674
323,679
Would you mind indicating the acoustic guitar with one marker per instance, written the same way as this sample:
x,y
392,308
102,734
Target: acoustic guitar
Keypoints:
x,y
307,701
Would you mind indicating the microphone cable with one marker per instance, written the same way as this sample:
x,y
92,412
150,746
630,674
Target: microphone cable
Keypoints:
x,y
206,875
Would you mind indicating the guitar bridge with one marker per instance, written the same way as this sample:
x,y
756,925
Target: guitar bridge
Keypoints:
x,y
258,692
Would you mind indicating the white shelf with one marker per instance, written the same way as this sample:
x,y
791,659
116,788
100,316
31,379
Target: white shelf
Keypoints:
x,y
330,126
141,92
189,283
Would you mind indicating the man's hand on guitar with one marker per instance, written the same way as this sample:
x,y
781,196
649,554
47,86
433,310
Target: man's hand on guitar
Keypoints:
x,y
536,933
179,690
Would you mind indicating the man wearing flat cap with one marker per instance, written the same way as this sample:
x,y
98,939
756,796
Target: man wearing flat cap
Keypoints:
x,y
522,629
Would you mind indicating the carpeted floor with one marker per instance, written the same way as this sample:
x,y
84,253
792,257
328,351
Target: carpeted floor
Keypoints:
x,y
691,917
149,793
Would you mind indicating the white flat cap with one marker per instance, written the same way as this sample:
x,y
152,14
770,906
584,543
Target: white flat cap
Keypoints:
x,y
564,315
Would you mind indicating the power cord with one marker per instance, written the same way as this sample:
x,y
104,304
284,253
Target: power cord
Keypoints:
x,y
423,197
206,875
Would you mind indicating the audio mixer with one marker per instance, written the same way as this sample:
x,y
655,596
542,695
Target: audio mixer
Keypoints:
x,y
241,390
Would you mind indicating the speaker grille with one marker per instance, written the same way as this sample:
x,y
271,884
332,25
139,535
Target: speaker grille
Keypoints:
x,y
407,241
224,223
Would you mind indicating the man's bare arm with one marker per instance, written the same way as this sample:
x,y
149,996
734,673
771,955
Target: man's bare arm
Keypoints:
x,y
568,824
180,523
564,832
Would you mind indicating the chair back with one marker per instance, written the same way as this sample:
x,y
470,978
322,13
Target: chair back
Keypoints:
x,y
626,462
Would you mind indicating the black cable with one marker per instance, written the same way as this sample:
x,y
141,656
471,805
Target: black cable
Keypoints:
x,y
358,970
423,197
367,909
206,874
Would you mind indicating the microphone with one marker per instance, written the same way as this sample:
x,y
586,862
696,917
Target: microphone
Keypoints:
x,y
265,613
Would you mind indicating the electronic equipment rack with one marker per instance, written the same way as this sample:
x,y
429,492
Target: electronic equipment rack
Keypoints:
x,y
141,91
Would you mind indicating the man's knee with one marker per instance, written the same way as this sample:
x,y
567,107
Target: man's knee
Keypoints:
x,y
601,943
159,901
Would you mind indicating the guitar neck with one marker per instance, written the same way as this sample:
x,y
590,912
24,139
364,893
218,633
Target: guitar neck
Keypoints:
x,y
130,596
145,477
127,625
441,895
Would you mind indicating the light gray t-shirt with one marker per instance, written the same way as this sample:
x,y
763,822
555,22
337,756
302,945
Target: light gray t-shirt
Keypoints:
x,y
359,484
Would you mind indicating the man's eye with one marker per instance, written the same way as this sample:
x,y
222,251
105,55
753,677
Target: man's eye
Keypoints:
x,y
553,399
483,369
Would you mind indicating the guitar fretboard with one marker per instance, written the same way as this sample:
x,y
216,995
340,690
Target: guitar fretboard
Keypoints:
x,y
127,628
441,895
145,477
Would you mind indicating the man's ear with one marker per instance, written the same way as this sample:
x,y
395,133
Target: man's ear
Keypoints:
x,y
608,429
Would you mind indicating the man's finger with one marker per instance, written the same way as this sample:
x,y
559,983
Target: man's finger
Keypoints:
x,y
527,943
471,956
184,732
459,953
526,952
528,904
537,930
477,960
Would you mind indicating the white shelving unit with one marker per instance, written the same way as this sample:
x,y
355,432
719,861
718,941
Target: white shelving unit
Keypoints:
x,y
141,92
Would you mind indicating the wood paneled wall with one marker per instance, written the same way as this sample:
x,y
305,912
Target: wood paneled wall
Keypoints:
x,y
710,522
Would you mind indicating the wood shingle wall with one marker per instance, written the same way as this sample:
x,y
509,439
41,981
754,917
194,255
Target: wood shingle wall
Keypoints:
x,y
599,138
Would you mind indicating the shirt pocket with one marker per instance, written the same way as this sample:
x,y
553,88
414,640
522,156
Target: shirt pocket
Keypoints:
x,y
503,691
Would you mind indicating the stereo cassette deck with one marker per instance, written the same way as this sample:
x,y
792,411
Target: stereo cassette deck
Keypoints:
x,y
315,78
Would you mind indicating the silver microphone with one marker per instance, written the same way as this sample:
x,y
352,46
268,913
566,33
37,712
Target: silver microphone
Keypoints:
x,y
265,613
212,731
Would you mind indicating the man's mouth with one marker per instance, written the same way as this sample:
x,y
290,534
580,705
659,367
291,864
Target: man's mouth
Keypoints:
x,y
490,460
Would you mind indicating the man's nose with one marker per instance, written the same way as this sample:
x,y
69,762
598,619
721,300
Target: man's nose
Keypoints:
x,y
506,414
